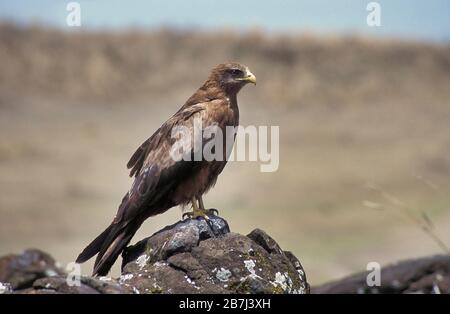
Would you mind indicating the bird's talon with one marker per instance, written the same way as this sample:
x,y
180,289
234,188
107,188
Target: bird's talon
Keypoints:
x,y
186,215
206,217
212,211
195,214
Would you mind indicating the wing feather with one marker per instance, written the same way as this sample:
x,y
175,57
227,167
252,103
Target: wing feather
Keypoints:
x,y
154,169
137,160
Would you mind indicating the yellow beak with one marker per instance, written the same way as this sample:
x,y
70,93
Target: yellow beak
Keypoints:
x,y
249,78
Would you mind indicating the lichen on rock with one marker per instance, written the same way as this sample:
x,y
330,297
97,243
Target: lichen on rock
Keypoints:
x,y
216,260
191,256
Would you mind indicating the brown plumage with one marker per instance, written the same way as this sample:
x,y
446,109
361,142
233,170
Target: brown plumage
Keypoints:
x,y
161,182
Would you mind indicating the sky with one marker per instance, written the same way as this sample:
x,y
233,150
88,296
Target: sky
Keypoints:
x,y
413,19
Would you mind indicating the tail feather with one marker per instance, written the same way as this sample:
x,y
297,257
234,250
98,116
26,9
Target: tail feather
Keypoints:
x,y
109,253
109,244
95,246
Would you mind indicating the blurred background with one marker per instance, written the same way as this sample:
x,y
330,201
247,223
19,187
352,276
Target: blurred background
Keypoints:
x,y
364,115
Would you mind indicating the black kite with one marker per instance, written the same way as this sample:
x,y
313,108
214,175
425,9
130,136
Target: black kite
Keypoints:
x,y
162,182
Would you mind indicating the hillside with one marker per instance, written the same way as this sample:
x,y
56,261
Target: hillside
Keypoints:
x,y
292,69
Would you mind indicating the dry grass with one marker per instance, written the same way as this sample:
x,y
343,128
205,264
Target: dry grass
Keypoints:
x,y
73,107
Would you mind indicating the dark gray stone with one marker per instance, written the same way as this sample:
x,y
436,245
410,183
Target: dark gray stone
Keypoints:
x,y
427,275
179,237
191,256
59,285
21,270
105,285
194,256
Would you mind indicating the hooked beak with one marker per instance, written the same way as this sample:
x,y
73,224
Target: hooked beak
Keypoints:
x,y
250,77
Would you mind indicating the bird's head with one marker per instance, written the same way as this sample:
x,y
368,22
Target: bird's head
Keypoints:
x,y
232,76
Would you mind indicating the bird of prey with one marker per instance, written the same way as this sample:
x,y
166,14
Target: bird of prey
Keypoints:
x,y
162,182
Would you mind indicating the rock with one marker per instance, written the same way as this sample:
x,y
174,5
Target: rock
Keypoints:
x,y
35,272
86,285
179,237
424,275
5,288
20,271
198,256
59,285
191,256
195,256
105,285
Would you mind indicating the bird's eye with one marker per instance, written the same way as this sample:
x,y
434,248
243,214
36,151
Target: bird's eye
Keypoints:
x,y
235,72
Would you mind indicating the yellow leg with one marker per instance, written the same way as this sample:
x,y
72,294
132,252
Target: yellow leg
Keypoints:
x,y
200,203
211,211
196,211
200,211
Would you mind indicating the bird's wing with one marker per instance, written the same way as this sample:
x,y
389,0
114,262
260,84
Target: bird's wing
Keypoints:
x,y
137,160
153,165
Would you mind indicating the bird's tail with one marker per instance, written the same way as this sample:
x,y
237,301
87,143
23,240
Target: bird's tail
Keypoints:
x,y
109,244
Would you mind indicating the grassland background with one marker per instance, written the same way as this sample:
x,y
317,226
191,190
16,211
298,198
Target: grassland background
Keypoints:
x,y
352,111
